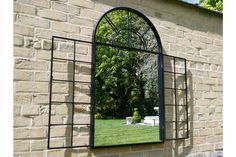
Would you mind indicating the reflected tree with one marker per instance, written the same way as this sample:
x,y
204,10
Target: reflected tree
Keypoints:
x,y
125,78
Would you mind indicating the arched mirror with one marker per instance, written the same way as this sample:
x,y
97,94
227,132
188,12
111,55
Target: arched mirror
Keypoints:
x,y
131,81
127,93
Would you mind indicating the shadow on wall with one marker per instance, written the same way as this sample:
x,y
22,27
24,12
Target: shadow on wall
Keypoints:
x,y
71,152
182,148
179,147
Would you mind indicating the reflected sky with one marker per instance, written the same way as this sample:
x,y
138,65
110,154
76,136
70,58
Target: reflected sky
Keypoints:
x,y
191,1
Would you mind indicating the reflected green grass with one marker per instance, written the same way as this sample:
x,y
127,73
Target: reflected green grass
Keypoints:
x,y
115,132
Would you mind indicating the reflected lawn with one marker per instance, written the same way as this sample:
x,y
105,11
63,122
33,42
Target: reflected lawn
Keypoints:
x,y
115,131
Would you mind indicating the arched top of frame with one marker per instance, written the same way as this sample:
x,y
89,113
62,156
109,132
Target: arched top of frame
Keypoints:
x,y
129,28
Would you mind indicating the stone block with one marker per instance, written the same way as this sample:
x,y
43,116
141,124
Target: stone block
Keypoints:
x,y
199,140
102,7
209,81
21,146
20,75
168,39
23,52
38,121
57,119
56,153
206,40
31,65
206,147
29,110
199,125
42,76
175,47
90,13
38,145
66,47
82,21
18,40
64,27
85,69
179,34
65,8
41,3
212,124
38,132
153,153
41,98
22,86
61,88
26,9
122,149
63,110
21,133
33,21
198,45
60,131
30,154
81,140
214,139
47,34
17,110
47,45
202,154
82,3
86,31
82,118
211,95
214,48
205,132
58,142
22,99
41,87
192,37
219,146
202,87
218,42
52,15
23,30
166,30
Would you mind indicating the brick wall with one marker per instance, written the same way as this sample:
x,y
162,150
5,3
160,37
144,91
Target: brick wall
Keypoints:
x,y
186,32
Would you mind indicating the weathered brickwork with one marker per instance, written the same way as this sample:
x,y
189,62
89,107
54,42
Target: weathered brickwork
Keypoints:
x,y
185,31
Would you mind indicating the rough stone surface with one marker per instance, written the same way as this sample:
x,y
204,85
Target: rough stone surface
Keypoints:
x,y
184,32
53,15
207,154
33,21
18,41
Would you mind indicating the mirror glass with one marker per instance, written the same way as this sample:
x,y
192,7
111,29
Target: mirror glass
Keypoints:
x,y
126,81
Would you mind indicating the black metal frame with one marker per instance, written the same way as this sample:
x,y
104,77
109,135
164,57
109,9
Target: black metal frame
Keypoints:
x,y
176,104
73,81
161,72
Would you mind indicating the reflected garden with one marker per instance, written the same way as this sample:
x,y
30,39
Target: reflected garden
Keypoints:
x,y
126,81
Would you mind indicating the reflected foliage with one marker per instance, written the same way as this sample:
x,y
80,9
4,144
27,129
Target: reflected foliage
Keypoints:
x,y
125,79
216,5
